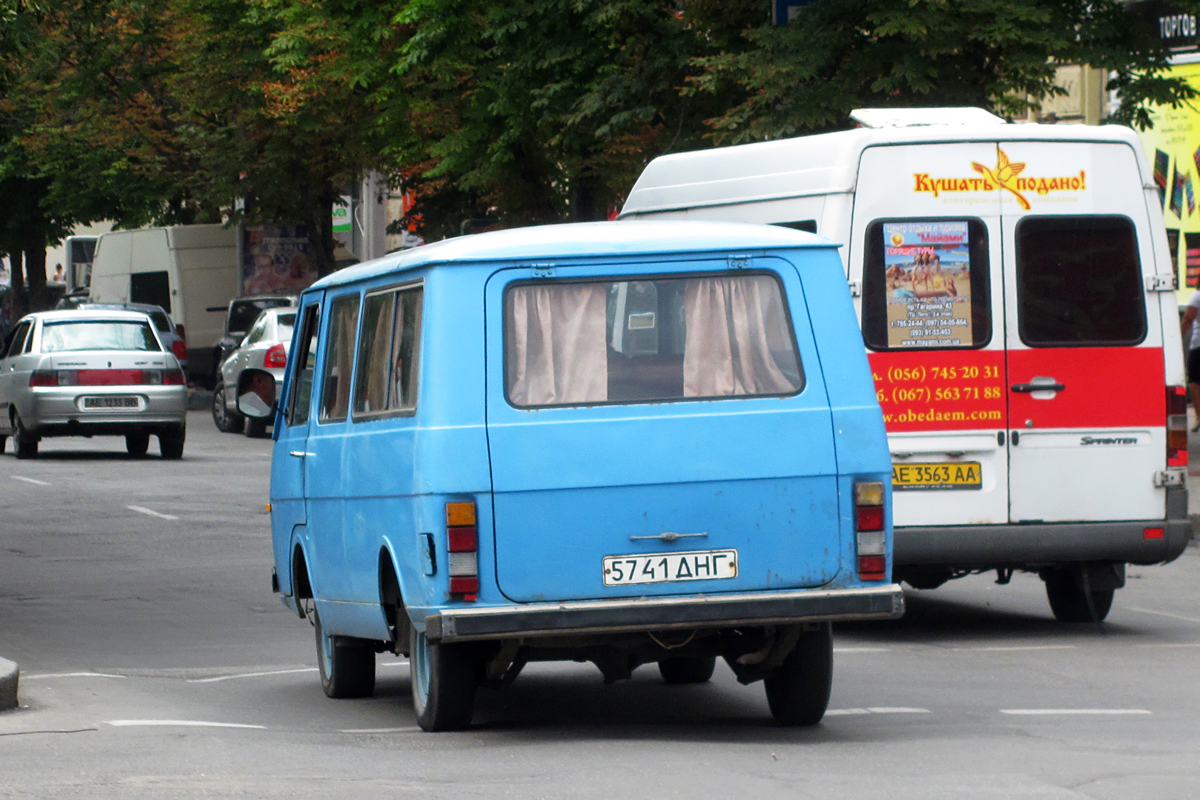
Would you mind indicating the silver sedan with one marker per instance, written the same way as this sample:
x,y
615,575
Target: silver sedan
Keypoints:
x,y
91,373
265,347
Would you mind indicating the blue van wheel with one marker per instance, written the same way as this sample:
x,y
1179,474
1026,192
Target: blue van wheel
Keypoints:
x,y
798,689
347,665
443,684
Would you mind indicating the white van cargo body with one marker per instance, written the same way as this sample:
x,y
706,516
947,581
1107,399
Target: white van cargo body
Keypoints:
x,y
186,269
1016,295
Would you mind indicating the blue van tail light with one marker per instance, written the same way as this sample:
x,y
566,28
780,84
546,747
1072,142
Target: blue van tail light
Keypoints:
x,y
1177,444
462,543
869,531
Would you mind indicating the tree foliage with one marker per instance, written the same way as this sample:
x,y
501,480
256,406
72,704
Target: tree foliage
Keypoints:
x,y
836,55
520,111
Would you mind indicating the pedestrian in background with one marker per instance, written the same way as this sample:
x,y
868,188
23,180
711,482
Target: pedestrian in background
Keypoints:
x,y
1191,334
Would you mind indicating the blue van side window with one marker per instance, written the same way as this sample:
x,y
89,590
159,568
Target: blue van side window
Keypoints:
x,y
339,359
388,352
305,360
659,339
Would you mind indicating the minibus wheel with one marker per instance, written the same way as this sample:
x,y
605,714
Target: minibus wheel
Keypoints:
x,y
1069,602
687,669
443,684
347,665
798,689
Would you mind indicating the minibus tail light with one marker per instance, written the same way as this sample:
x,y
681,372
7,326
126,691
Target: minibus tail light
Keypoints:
x,y
462,544
1177,434
870,531
276,357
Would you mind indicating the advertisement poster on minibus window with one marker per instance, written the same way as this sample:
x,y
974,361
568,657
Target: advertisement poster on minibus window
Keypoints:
x,y
927,267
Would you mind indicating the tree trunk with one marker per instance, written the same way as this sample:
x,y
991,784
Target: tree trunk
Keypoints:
x,y
18,304
320,232
35,273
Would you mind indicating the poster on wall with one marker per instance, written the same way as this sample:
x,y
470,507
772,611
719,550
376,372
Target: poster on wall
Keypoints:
x,y
927,267
275,259
1173,147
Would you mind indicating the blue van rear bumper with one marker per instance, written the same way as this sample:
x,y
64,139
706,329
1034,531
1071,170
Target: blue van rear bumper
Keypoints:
x,y
664,613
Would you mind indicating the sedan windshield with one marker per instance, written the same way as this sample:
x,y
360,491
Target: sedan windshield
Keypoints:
x,y
97,335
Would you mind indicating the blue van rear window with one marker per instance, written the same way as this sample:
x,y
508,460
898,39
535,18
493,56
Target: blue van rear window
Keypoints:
x,y
655,339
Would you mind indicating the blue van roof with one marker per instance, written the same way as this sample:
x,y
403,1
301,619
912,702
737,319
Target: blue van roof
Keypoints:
x,y
624,238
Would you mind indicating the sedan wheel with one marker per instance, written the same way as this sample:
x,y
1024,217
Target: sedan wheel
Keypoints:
x,y
227,420
170,442
25,444
137,444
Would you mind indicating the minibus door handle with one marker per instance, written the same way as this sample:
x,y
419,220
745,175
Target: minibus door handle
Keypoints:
x,y
1037,387
299,453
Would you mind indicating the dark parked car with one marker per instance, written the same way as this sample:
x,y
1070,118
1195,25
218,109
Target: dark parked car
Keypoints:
x,y
239,317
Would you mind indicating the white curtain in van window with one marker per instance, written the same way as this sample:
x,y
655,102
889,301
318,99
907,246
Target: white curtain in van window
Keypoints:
x,y
733,325
557,345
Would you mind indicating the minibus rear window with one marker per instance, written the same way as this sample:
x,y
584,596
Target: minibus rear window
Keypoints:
x,y
925,285
655,339
1079,282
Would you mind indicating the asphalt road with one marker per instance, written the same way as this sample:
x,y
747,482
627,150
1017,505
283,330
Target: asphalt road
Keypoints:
x,y
135,595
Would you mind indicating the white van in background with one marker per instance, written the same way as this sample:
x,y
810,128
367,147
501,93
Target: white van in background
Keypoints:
x,y
186,269
1016,294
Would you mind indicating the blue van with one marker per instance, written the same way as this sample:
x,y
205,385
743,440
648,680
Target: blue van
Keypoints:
x,y
622,442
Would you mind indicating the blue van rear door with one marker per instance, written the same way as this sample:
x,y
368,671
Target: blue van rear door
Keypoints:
x,y
691,450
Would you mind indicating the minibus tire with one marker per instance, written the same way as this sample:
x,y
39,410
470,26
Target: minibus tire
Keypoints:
x,y
25,445
170,442
347,665
687,669
443,681
225,418
1069,603
798,689
136,444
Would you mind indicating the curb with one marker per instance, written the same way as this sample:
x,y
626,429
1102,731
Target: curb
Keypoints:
x,y
9,676
199,399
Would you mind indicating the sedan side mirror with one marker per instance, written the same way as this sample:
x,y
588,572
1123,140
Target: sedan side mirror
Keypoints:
x,y
256,393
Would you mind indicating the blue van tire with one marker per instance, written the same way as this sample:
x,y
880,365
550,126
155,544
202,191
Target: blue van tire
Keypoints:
x,y
347,665
687,669
798,689
444,680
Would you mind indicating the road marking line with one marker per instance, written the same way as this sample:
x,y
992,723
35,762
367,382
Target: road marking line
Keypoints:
x,y
252,675
178,723
29,480
1046,712
45,675
413,729
861,649
1162,614
142,510
401,663
849,712
1014,649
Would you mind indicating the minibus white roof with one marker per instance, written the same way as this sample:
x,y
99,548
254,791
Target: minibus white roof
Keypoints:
x,y
827,163
547,243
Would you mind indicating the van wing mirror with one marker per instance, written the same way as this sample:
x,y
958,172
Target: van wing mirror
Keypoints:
x,y
256,393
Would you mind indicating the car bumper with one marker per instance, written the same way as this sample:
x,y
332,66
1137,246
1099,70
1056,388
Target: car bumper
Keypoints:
x,y
659,614
60,410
